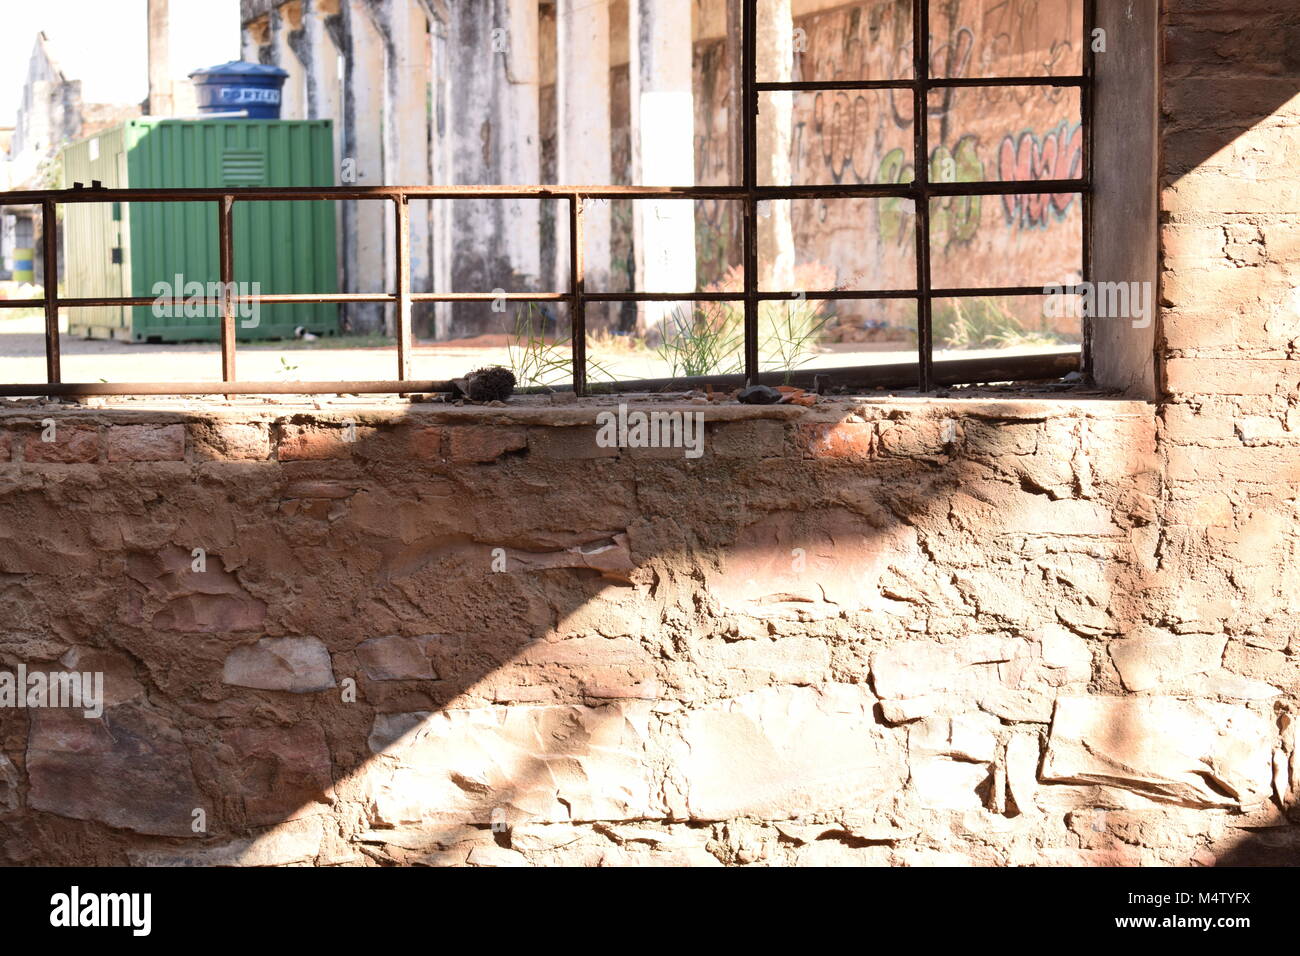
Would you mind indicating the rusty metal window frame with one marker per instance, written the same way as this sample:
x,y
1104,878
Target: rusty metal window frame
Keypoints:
x,y
920,191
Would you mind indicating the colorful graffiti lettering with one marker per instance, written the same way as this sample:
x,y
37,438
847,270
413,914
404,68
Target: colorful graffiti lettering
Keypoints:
x,y
953,218
1056,155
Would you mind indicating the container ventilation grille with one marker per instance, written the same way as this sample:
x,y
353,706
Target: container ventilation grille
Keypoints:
x,y
242,167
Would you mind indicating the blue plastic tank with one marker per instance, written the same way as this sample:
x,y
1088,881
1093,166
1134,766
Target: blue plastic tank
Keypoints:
x,y
238,86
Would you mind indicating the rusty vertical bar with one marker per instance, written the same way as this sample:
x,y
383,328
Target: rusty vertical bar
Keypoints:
x,y
921,165
749,150
226,249
577,293
401,255
50,245
735,107
1086,106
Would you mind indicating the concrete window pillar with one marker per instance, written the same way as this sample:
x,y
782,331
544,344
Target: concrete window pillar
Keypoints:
x,y
495,139
583,125
663,146
253,40
406,123
321,60
775,127
365,221
285,20
440,170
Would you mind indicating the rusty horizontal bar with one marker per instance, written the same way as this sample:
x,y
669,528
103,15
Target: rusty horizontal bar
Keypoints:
x,y
737,193
289,298
784,296
284,193
968,292
87,389
957,82
24,303
489,296
818,86
898,375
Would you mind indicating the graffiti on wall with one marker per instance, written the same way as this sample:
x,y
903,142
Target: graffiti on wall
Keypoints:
x,y
1020,134
1027,157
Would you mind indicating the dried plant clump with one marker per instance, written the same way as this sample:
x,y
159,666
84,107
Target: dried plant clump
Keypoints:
x,y
491,384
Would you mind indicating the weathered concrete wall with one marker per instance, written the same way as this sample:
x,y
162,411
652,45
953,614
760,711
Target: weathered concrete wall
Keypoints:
x,y
903,632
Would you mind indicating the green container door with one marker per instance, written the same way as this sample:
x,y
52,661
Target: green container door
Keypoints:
x,y
96,261
282,247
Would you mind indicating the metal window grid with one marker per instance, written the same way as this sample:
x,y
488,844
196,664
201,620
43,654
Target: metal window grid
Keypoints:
x,y
920,191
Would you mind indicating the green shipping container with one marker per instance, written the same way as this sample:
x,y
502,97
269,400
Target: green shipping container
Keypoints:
x,y
283,247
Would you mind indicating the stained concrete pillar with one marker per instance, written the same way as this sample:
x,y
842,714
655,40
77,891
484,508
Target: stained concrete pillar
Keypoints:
x,y
254,37
404,27
583,125
160,80
441,213
663,147
495,139
775,127
285,20
320,58
365,221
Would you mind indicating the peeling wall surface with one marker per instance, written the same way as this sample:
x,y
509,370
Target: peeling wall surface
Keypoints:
x,y
894,632
1001,629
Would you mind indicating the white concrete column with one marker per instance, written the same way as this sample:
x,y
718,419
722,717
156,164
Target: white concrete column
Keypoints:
x,y
321,60
583,125
160,80
406,121
495,140
293,99
663,146
254,35
775,128
441,218
367,221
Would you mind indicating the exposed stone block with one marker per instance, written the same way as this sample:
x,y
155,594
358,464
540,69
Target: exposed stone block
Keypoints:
x,y
129,768
540,764
73,444
468,444
146,443
787,751
297,664
1192,753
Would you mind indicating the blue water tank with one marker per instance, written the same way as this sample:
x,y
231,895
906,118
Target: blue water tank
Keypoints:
x,y
238,86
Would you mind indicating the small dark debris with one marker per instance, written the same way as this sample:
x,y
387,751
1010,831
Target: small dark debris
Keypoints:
x,y
758,395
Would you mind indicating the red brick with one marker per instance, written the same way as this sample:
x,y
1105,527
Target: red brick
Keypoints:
x,y
224,441
907,439
426,443
479,443
748,440
851,440
299,442
72,444
570,443
146,443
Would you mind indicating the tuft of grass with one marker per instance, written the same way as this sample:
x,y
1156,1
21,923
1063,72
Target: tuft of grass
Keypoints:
x,y
708,339
541,362
985,323
792,329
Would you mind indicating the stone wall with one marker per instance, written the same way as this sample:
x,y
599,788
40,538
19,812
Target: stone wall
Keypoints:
x,y
896,631
997,629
